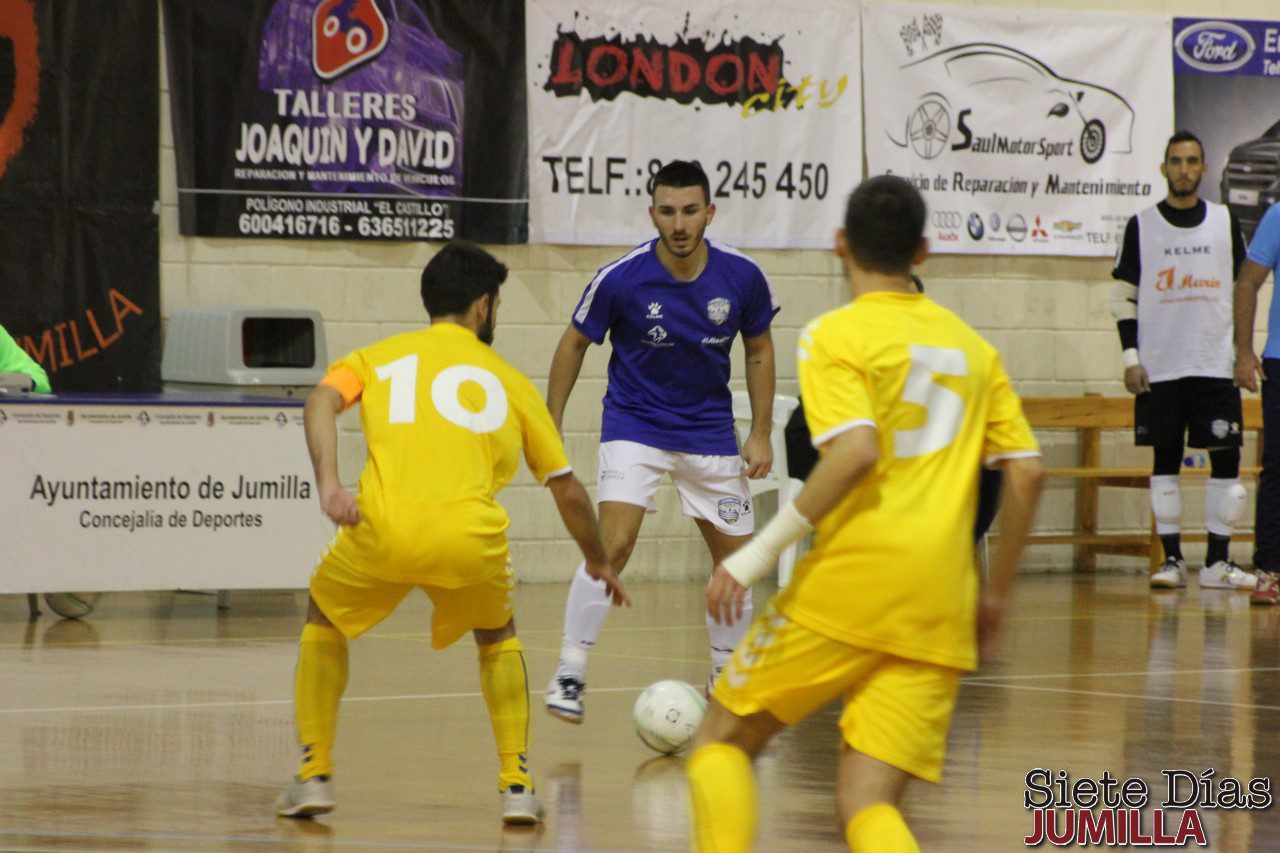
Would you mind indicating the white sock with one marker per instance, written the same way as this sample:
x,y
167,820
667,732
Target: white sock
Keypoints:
x,y
584,615
725,638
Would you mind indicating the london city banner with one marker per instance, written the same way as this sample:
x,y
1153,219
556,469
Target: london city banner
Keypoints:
x,y
349,119
764,95
1226,90
79,177
1029,132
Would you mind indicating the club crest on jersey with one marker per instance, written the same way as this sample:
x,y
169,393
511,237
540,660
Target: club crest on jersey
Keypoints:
x,y
346,34
718,310
657,334
731,509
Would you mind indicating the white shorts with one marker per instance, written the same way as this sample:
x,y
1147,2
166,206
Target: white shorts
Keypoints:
x,y
710,487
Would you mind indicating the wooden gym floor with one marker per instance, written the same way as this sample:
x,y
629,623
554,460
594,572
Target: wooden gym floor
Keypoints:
x,y
160,724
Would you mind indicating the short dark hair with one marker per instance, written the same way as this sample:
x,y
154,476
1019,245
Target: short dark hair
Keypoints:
x,y
457,275
884,224
1182,136
682,173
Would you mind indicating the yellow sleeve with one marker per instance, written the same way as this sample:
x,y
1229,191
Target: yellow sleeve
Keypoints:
x,y
833,385
1008,433
543,449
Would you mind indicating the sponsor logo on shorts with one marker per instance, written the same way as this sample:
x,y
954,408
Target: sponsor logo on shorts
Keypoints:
x,y
609,474
1221,428
732,509
718,310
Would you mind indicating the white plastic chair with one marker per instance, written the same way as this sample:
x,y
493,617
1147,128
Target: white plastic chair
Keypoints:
x,y
778,480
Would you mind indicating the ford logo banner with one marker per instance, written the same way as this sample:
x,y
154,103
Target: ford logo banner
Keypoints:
x,y
1214,46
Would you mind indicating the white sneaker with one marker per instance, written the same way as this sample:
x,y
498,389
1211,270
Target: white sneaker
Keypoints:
x,y
564,698
1172,574
520,807
1225,574
304,799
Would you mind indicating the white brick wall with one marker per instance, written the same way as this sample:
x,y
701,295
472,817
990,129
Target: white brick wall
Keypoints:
x,y
1048,316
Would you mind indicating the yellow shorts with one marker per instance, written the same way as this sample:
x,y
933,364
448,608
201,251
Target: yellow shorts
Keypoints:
x,y
355,601
895,709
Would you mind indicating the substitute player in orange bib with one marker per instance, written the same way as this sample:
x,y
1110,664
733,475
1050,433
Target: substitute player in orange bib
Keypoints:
x,y
446,419
905,402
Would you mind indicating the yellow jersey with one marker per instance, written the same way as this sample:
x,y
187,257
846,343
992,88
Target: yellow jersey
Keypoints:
x,y
445,419
892,567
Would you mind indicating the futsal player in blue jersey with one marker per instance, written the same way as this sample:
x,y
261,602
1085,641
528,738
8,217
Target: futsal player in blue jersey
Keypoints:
x,y
671,308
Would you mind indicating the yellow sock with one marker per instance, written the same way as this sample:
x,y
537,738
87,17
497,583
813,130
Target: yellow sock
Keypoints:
x,y
317,689
505,685
882,829
723,791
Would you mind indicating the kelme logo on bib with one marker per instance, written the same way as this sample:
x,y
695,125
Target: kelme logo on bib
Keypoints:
x,y
718,310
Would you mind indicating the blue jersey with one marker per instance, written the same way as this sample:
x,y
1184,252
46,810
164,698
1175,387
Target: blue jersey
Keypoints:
x,y
669,371
1264,249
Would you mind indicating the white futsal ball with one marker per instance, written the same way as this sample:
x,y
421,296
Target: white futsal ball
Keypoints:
x,y
667,714
72,605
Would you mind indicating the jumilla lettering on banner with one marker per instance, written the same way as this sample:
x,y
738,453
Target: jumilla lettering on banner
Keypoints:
x,y
1108,811
320,143
55,356
284,487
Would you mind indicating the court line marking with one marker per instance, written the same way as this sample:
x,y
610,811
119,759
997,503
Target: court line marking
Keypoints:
x,y
251,839
1143,696
247,703
983,679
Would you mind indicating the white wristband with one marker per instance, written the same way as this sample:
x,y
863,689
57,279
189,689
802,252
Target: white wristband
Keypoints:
x,y
1131,358
758,557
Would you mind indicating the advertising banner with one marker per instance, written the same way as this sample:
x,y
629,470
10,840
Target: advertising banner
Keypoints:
x,y
349,119
190,497
764,95
1226,90
79,178
1029,132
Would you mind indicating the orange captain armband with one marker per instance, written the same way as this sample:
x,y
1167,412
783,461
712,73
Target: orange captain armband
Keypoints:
x,y
345,382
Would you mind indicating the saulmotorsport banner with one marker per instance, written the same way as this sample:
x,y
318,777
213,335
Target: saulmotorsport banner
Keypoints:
x,y
79,173
764,95
1029,132
1226,90
349,119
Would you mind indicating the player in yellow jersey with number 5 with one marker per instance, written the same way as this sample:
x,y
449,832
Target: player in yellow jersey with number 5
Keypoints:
x,y
905,404
446,420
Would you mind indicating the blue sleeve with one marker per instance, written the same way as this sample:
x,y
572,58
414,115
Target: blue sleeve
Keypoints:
x,y
1264,248
760,306
593,316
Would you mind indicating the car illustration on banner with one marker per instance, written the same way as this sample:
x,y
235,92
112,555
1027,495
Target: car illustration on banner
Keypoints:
x,y
1251,178
1022,108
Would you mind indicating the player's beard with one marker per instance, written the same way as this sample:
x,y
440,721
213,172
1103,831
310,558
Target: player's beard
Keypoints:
x,y
695,240
1175,192
485,332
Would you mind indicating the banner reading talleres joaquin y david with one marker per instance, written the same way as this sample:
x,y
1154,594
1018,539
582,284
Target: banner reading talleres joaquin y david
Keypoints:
x,y
350,119
1226,90
1029,132
764,95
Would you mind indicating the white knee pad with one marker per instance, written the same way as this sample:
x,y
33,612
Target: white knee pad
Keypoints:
x,y
1224,505
1166,503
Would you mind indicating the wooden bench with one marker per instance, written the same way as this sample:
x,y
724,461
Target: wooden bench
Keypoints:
x,y
1089,415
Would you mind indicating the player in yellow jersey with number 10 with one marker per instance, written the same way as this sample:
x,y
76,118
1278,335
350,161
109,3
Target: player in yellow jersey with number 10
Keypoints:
x,y
905,403
445,419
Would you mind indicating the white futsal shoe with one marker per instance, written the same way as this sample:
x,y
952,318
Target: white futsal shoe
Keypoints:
x,y
1172,574
1225,574
564,698
306,798
520,807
